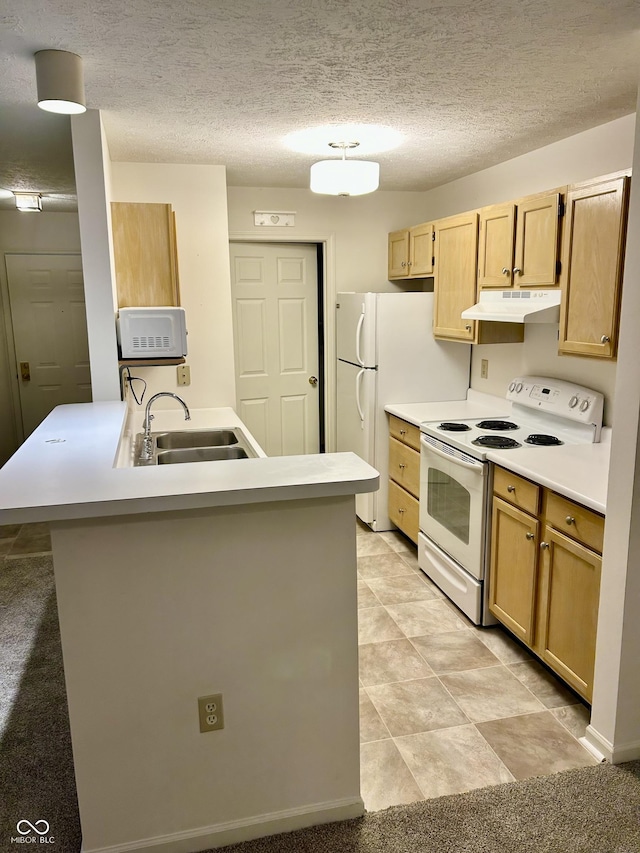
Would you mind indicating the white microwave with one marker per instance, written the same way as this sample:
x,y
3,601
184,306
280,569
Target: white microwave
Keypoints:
x,y
155,332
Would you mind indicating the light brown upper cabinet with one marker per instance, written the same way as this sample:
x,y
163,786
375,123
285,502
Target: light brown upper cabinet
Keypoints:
x,y
456,255
592,264
145,254
411,252
519,242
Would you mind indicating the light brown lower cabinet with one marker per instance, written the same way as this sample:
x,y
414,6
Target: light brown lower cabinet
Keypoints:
x,y
404,476
544,581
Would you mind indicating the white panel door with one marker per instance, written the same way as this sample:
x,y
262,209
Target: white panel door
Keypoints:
x,y
275,323
50,333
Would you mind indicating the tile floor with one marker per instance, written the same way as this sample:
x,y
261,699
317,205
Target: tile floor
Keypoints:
x,y
22,540
445,706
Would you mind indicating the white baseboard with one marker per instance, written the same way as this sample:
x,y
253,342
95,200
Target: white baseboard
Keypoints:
x,y
604,750
233,832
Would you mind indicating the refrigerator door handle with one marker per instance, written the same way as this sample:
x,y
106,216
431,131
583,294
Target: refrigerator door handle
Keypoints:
x,y
358,336
358,386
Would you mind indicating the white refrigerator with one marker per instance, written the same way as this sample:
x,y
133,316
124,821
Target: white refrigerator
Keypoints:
x,y
387,354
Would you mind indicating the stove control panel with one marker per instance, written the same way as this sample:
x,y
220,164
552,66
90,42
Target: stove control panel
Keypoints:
x,y
558,397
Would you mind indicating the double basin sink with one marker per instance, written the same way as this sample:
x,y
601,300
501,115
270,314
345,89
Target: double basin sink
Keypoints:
x,y
194,445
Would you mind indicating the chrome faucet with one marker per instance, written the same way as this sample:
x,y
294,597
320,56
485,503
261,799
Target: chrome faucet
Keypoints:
x,y
147,447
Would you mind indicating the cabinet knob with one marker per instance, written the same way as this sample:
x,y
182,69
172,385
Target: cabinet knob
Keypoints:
x,y
544,545
605,339
511,488
409,263
517,271
531,535
401,465
468,327
403,432
403,264
400,510
570,519
506,271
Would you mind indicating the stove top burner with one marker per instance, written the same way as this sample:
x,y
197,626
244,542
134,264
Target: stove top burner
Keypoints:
x,y
447,426
498,425
497,442
543,440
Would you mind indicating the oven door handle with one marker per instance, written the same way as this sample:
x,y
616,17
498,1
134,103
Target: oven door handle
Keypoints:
x,y
474,466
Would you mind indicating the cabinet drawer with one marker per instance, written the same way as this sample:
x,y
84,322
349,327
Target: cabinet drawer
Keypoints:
x,y
403,511
575,521
404,432
516,490
404,466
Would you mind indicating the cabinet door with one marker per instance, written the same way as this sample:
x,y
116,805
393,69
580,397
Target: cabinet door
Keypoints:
x,y
456,253
404,466
570,591
145,255
592,265
495,251
421,250
403,511
512,579
537,241
398,257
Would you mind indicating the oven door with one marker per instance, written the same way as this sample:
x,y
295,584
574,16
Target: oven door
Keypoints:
x,y
453,489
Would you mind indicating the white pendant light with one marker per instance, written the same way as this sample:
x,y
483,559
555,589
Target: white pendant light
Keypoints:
x,y
345,177
60,82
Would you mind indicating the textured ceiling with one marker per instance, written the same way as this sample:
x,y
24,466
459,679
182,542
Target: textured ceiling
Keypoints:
x,y
468,83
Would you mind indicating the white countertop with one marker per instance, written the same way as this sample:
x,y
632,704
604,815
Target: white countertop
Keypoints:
x,y
577,471
66,469
477,405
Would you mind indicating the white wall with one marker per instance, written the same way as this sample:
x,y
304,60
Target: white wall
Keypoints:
x,y
23,233
198,197
359,226
615,721
599,151
91,162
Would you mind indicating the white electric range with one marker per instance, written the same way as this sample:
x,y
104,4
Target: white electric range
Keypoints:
x,y
455,478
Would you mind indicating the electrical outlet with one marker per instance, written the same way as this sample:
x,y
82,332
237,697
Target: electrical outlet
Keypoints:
x,y
484,368
184,374
210,712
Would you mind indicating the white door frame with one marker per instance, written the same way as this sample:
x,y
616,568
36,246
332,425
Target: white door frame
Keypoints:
x,y
327,241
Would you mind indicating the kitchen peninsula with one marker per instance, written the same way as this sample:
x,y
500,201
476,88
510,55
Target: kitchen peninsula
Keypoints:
x,y
175,582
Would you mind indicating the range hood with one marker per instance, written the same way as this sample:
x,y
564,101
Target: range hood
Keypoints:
x,y
516,306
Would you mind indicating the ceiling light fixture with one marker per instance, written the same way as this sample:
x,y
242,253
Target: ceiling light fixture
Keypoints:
x,y
345,177
60,82
29,202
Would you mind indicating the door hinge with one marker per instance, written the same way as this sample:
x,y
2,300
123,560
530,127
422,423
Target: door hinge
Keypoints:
x,y
433,236
558,267
433,262
561,209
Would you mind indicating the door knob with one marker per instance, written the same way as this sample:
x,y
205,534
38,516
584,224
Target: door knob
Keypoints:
x,y
25,371
313,380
